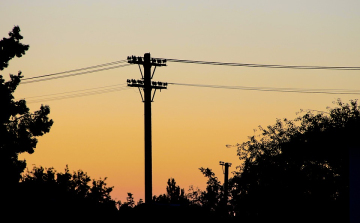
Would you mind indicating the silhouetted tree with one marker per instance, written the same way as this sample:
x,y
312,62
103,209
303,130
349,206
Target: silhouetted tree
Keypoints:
x,y
211,198
298,169
174,194
175,205
19,128
71,197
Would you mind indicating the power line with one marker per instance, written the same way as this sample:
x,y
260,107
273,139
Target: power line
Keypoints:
x,y
80,69
106,88
119,87
76,74
263,65
55,75
79,95
284,90
67,92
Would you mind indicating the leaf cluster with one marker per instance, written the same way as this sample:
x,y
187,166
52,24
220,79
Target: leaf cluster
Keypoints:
x,y
11,47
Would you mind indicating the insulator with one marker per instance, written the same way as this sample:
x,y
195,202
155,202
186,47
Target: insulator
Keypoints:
x,y
165,84
129,81
158,61
164,61
154,83
159,83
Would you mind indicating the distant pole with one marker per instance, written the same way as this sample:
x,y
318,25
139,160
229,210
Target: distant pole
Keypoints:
x,y
147,85
226,181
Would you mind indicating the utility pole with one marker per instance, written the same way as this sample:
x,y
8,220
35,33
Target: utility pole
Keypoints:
x,y
145,85
226,181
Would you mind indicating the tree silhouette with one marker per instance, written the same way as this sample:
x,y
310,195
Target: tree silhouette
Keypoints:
x,y
174,194
71,197
210,198
298,169
19,128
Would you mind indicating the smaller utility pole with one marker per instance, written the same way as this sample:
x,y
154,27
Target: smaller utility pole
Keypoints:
x,y
226,181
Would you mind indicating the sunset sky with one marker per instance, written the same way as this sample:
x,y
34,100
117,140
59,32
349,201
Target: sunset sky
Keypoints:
x,y
103,134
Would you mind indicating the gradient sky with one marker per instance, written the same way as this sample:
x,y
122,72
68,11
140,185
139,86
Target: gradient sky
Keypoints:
x,y
103,134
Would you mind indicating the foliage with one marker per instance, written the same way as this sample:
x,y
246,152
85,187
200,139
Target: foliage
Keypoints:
x,y
211,198
11,47
130,201
174,205
298,166
76,183
194,196
19,128
174,195
47,193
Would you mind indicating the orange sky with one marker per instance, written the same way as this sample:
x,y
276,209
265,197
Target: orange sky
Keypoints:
x,y
103,134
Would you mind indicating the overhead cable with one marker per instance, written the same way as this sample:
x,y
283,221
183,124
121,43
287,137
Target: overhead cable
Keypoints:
x,y
83,94
75,74
286,90
77,91
75,70
262,65
119,87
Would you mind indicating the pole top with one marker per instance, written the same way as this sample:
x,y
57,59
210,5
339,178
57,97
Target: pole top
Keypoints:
x,y
224,164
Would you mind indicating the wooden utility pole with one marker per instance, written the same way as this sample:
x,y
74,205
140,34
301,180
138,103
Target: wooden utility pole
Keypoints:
x,y
146,85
